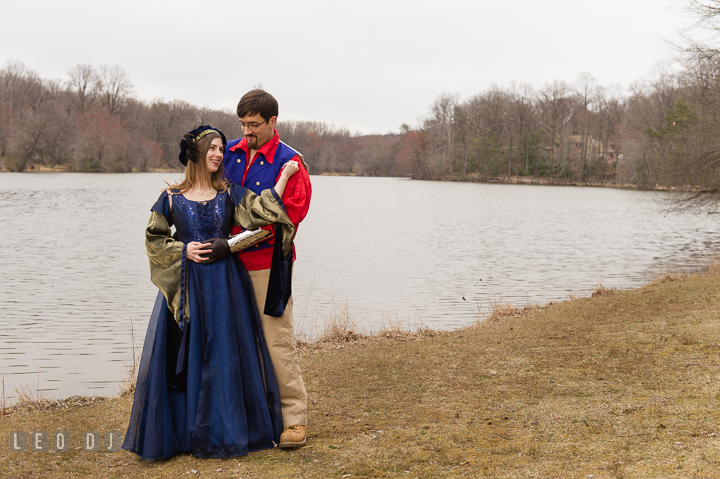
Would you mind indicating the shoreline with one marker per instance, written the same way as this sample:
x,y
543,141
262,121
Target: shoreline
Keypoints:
x,y
341,332
523,180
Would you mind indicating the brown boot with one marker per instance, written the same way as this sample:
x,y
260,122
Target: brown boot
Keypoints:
x,y
293,436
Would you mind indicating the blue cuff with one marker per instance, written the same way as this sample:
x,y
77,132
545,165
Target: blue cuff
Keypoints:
x,y
181,307
277,198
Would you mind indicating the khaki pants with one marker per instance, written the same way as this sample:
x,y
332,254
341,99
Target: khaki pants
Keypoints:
x,y
279,334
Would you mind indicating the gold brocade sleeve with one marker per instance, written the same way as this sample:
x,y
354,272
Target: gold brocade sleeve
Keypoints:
x,y
167,258
253,211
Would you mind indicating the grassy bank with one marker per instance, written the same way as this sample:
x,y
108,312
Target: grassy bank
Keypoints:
x,y
623,384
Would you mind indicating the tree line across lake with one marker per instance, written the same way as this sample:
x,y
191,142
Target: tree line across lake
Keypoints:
x,y
662,131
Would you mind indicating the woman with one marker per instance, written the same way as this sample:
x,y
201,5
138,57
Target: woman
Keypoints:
x,y
206,383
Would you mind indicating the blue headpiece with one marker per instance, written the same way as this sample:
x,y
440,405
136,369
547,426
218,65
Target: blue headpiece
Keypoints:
x,y
188,144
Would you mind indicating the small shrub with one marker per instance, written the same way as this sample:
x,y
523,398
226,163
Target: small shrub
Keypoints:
x,y
87,165
339,326
602,291
13,162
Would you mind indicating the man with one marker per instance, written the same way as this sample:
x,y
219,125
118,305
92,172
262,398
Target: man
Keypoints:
x,y
255,162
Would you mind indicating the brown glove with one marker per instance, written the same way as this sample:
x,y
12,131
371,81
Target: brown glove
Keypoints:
x,y
220,250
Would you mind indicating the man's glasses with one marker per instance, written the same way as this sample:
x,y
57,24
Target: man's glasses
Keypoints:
x,y
250,126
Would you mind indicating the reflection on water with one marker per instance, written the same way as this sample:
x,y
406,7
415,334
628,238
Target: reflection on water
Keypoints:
x,y
75,290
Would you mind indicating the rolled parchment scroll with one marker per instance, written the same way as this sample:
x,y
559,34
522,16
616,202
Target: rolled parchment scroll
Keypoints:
x,y
247,238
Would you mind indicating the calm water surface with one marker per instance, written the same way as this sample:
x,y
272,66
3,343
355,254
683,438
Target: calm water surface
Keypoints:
x,y
75,290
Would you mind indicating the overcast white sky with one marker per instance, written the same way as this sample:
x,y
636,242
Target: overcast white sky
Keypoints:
x,y
366,65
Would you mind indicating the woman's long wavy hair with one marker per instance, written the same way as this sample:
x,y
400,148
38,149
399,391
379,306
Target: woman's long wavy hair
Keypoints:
x,y
197,171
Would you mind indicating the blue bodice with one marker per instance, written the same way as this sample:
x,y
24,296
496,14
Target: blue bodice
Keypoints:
x,y
202,220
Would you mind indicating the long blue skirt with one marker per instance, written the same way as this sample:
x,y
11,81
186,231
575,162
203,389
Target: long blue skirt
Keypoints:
x,y
208,389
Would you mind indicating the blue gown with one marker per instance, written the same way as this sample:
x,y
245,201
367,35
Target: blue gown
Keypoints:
x,y
209,388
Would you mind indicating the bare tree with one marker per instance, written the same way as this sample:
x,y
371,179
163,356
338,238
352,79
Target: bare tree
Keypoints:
x,y
113,88
29,117
43,136
470,123
83,80
166,123
611,109
555,110
586,94
522,116
441,128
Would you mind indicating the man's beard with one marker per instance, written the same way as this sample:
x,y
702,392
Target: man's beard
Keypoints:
x,y
252,141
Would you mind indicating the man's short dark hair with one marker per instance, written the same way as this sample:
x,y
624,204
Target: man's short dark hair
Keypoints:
x,y
257,102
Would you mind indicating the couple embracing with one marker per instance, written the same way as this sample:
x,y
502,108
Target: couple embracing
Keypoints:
x,y
219,374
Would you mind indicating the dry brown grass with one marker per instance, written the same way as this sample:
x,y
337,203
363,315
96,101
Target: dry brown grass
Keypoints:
x,y
712,265
31,401
671,276
339,327
127,383
617,385
709,265
602,290
392,328
24,398
503,311
339,330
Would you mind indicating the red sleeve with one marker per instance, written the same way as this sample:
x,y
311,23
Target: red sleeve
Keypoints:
x,y
297,194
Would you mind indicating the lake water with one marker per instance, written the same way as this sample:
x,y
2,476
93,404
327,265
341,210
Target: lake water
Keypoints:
x,y
75,291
